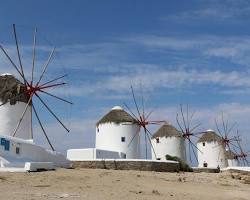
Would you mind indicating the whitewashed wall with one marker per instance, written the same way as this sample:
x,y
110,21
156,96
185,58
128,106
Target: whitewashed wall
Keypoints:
x,y
233,163
213,154
9,118
108,137
92,154
174,146
28,152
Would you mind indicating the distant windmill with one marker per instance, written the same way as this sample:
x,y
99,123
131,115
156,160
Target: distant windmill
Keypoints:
x,y
241,155
184,121
34,87
143,120
224,131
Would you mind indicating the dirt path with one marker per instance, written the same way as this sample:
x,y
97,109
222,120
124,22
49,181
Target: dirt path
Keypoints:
x,y
108,184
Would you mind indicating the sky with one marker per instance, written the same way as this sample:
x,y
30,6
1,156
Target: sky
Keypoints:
x,y
180,52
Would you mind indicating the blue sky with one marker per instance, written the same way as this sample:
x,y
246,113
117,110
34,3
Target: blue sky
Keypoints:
x,y
194,52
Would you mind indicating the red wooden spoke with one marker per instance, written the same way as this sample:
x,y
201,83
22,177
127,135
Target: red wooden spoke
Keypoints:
x,y
18,51
51,112
34,56
130,111
43,130
59,98
50,86
147,132
13,64
136,133
158,122
45,66
53,80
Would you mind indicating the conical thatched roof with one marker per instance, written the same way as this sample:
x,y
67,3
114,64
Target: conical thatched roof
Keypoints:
x,y
230,155
11,89
209,136
116,115
167,130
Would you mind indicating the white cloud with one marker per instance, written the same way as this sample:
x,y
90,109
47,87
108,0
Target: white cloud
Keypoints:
x,y
118,86
234,49
178,79
175,43
214,10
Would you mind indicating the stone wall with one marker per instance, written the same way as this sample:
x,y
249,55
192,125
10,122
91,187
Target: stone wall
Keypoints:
x,y
128,165
206,170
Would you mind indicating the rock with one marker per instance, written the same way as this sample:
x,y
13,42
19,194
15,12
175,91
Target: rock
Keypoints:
x,y
156,192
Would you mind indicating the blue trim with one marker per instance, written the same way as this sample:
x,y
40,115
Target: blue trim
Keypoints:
x,y
6,144
2,141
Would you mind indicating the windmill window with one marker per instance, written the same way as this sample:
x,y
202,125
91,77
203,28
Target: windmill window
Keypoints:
x,y
203,144
158,159
157,140
98,130
204,164
123,139
17,150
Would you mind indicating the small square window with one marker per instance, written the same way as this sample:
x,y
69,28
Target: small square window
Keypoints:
x,y
157,140
17,150
123,139
204,164
158,159
203,144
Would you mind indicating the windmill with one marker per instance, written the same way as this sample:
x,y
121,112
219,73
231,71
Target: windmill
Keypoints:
x,y
143,121
33,88
184,121
241,155
224,131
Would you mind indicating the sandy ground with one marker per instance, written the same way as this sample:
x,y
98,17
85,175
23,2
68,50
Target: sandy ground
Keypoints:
x,y
114,184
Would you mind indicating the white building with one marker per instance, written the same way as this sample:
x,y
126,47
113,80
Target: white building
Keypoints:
x,y
13,102
167,140
15,152
212,153
232,159
118,131
93,154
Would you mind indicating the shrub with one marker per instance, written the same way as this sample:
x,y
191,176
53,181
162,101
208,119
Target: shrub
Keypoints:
x,y
183,165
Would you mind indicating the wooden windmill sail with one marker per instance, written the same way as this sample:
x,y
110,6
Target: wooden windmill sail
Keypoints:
x,y
188,130
143,120
225,130
34,87
241,155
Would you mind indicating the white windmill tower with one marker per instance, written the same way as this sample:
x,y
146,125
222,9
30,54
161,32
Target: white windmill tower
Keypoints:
x,y
116,131
167,140
212,153
232,159
17,110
